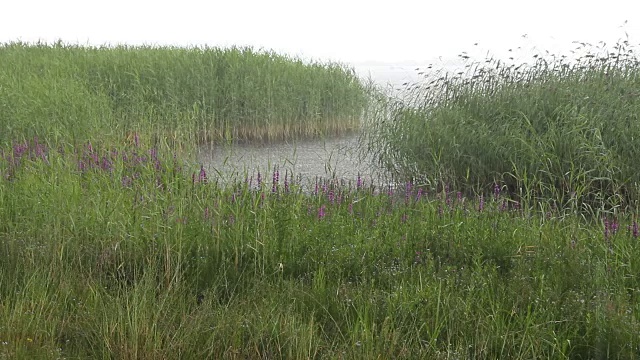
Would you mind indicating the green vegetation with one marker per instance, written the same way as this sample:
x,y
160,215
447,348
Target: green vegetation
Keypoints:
x,y
203,94
114,245
124,253
558,129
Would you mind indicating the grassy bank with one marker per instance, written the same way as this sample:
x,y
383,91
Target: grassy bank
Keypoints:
x,y
556,128
191,94
125,252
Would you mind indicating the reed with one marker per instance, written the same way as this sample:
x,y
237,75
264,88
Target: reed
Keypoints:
x,y
204,94
556,128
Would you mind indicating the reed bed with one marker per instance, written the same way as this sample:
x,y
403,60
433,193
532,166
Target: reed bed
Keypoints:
x,y
556,128
198,94
124,251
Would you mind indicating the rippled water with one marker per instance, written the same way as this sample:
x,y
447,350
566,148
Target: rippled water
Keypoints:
x,y
310,159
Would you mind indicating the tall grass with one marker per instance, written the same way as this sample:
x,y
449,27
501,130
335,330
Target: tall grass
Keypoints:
x,y
558,128
125,252
201,93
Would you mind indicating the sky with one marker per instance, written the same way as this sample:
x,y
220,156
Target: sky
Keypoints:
x,y
355,32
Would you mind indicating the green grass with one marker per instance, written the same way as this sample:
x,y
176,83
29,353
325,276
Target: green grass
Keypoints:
x,y
125,252
114,245
558,128
200,94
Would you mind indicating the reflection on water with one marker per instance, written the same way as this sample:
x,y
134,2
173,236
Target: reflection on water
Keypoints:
x,y
307,160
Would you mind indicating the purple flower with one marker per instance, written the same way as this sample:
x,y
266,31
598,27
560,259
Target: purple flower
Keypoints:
x,y
276,178
106,164
481,206
614,226
126,181
496,190
202,177
321,212
359,182
407,194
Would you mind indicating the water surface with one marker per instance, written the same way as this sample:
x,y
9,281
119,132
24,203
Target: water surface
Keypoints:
x,y
307,160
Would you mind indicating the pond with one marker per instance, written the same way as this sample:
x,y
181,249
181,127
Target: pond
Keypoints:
x,y
308,160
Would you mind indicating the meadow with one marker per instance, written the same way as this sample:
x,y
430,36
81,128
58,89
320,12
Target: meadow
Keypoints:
x,y
119,245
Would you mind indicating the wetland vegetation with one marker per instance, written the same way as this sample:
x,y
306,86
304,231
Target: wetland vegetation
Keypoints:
x,y
115,244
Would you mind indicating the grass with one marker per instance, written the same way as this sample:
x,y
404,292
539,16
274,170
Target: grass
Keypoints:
x,y
558,128
115,245
63,92
126,252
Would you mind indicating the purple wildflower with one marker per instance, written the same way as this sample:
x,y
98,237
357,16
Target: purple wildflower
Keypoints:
x,y
276,178
126,181
202,177
321,212
106,164
407,194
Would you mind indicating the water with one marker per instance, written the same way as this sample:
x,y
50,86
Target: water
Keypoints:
x,y
307,160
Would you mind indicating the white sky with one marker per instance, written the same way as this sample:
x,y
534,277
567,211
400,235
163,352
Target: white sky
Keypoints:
x,y
341,30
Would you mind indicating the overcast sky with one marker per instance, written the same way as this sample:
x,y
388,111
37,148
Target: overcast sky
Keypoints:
x,y
340,30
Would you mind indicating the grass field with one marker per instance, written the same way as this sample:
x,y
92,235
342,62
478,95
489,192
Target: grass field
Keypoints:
x,y
128,253
119,246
